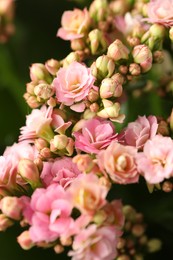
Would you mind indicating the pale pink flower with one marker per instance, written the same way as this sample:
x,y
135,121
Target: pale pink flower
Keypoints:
x,y
9,180
95,135
160,12
127,23
41,123
112,214
95,244
51,214
156,161
38,120
72,85
139,131
61,170
74,23
87,194
118,162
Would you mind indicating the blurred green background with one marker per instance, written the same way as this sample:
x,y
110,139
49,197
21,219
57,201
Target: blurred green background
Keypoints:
x,y
35,41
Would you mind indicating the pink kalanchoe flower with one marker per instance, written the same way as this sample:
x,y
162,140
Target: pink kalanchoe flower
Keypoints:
x,y
87,194
74,24
118,162
61,170
51,218
160,12
37,122
9,180
41,123
72,85
139,131
156,161
95,135
95,243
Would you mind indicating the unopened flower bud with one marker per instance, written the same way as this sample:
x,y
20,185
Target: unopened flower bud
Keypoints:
x,y
143,56
98,10
134,69
154,245
72,56
93,95
110,88
157,31
118,77
43,91
31,100
111,110
158,56
58,249
66,241
133,41
45,153
98,42
117,51
94,107
88,114
11,207
40,143
167,186
29,172
59,142
52,66
163,128
105,66
38,72
138,230
78,44
84,162
123,69
30,87
123,257
51,102
171,33
25,241
5,222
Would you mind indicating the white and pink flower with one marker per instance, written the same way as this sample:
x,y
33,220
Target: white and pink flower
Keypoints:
x,y
87,194
95,243
160,12
118,162
72,85
155,163
75,24
96,134
139,131
61,170
51,216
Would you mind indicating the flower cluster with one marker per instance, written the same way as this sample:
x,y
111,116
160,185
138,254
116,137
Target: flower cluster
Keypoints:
x,y
55,180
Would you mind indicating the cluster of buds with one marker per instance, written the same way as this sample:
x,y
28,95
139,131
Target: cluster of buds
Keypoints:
x,y
6,19
135,244
40,90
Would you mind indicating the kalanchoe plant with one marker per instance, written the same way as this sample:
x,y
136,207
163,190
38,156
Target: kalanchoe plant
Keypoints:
x,y
76,145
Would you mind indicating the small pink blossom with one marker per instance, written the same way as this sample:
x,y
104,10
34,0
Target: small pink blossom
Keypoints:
x,y
160,12
41,123
95,243
119,163
74,24
51,218
139,131
87,194
61,170
38,120
96,134
9,180
156,160
72,85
